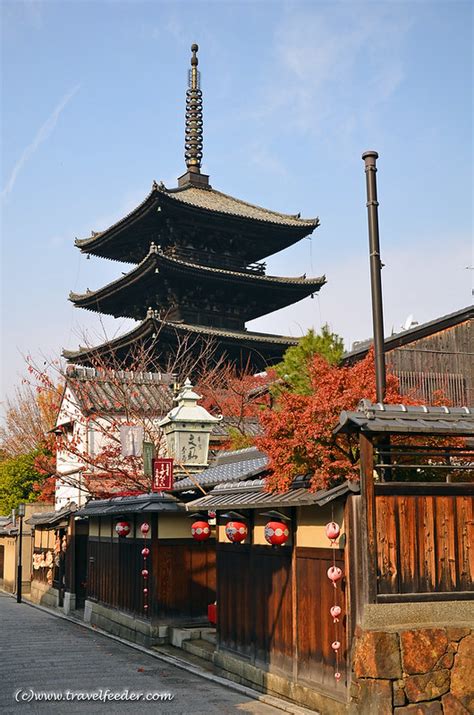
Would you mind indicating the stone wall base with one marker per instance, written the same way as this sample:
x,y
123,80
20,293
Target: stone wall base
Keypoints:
x,y
414,670
241,671
44,594
125,625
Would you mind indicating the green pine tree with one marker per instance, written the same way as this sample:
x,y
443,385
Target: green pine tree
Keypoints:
x,y
293,370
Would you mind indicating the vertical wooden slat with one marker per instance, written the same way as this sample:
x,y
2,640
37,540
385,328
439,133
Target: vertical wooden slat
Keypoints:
x,y
465,538
387,552
425,535
409,575
445,520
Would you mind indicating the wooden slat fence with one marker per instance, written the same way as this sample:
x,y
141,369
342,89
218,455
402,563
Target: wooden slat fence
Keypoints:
x,y
424,536
259,618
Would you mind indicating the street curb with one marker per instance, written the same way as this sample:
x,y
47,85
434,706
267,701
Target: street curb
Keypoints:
x,y
272,700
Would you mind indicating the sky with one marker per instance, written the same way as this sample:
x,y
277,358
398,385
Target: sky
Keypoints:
x,y
93,97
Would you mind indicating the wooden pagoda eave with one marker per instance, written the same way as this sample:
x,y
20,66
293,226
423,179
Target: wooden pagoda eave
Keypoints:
x,y
121,297
161,338
129,238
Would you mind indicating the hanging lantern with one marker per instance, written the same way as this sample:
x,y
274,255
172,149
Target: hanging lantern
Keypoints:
x,y
236,531
335,612
337,675
145,573
145,552
145,528
332,531
200,530
335,645
334,574
276,533
122,528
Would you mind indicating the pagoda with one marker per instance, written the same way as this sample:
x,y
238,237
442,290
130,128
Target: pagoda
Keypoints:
x,y
199,272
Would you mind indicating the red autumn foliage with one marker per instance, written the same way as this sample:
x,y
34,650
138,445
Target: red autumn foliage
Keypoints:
x,y
298,433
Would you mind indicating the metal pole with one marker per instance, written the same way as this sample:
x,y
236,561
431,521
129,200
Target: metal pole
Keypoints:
x,y
19,574
370,158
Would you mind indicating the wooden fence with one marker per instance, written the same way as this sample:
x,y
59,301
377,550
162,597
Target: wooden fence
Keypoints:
x,y
181,576
424,535
273,608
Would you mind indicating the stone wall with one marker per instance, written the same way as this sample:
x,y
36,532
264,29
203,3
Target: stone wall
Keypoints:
x,y
413,671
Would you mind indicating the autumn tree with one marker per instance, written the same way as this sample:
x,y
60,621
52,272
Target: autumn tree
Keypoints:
x,y
124,393
240,396
29,415
298,433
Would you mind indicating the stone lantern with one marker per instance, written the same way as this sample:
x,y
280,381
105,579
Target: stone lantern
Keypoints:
x,y
187,428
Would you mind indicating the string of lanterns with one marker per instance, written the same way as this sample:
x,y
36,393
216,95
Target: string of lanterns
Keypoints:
x,y
145,528
334,573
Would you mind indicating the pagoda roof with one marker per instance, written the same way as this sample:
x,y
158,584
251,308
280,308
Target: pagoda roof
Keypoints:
x,y
160,338
116,297
194,203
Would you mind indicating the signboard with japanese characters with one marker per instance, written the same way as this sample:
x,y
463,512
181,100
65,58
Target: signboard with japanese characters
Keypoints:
x,y
162,475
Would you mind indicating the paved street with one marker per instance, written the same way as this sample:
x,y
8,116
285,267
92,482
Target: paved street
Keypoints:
x,y
42,653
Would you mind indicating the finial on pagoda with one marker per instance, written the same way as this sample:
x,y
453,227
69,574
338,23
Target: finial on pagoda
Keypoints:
x,y
193,130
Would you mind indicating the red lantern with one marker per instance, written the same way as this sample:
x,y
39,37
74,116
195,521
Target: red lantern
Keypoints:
x,y
122,528
333,531
334,574
145,552
145,528
236,531
276,533
200,530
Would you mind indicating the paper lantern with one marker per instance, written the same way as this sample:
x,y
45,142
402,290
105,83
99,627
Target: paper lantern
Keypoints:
x,y
276,533
200,530
236,531
337,675
145,573
332,531
122,528
145,552
334,574
335,612
145,528
335,645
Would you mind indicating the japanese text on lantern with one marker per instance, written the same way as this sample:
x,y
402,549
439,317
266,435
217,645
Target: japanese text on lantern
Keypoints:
x,y
162,474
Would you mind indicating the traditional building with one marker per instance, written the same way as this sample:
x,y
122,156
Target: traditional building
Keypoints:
x,y
199,266
431,359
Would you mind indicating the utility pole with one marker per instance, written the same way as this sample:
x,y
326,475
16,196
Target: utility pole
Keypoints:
x,y
370,158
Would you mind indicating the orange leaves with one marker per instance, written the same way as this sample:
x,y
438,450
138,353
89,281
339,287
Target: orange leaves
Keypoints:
x,y
298,433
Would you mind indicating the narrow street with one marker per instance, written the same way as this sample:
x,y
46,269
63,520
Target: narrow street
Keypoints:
x,y
40,653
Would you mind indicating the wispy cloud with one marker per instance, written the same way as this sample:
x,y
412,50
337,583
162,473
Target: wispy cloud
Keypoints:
x,y
321,56
42,134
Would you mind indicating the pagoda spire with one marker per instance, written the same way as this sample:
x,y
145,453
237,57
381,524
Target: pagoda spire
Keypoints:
x,y
193,128
193,135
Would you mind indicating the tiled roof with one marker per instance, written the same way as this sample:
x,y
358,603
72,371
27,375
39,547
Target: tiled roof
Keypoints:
x,y
51,519
145,393
151,325
252,495
206,199
212,200
248,426
402,419
143,503
159,257
232,467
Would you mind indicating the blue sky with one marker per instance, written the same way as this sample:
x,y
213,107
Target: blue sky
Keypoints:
x,y
294,92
